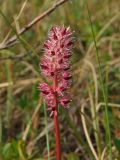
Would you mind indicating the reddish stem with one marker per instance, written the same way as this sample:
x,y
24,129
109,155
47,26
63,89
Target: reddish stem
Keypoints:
x,y
57,134
56,123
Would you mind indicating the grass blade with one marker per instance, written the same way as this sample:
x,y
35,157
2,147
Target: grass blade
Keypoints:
x,y
47,134
103,86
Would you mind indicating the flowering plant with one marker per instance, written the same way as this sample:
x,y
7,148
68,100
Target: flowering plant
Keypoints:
x,y
55,65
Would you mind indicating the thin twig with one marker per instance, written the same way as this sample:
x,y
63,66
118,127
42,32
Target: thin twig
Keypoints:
x,y
25,133
13,40
94,78
103,153
16,19
87,134
17,57
20,82
109,104
21,56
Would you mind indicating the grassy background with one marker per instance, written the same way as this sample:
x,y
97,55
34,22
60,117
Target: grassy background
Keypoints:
x,y
22,120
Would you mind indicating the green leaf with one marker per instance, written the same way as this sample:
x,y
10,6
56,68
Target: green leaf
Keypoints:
x,y
117,143
10,151
21,149
6,149
73,156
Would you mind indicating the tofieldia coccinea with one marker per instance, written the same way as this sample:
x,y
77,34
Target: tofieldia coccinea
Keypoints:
x,y
55,65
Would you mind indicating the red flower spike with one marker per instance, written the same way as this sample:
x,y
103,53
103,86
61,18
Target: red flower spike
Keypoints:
x,y
56,62
65,101
67,75
45,89
56,65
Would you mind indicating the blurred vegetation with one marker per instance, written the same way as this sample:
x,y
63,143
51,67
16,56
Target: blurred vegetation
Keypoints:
x,y
22,120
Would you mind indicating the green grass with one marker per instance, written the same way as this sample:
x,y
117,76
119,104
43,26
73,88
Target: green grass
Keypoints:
x,y
104,90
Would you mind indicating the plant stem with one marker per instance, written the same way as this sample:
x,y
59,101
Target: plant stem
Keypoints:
x,y
105,94
57,134
0,128
56,123
9,94
47,134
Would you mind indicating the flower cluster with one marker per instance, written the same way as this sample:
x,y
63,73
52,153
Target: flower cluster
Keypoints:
x,y
55,64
